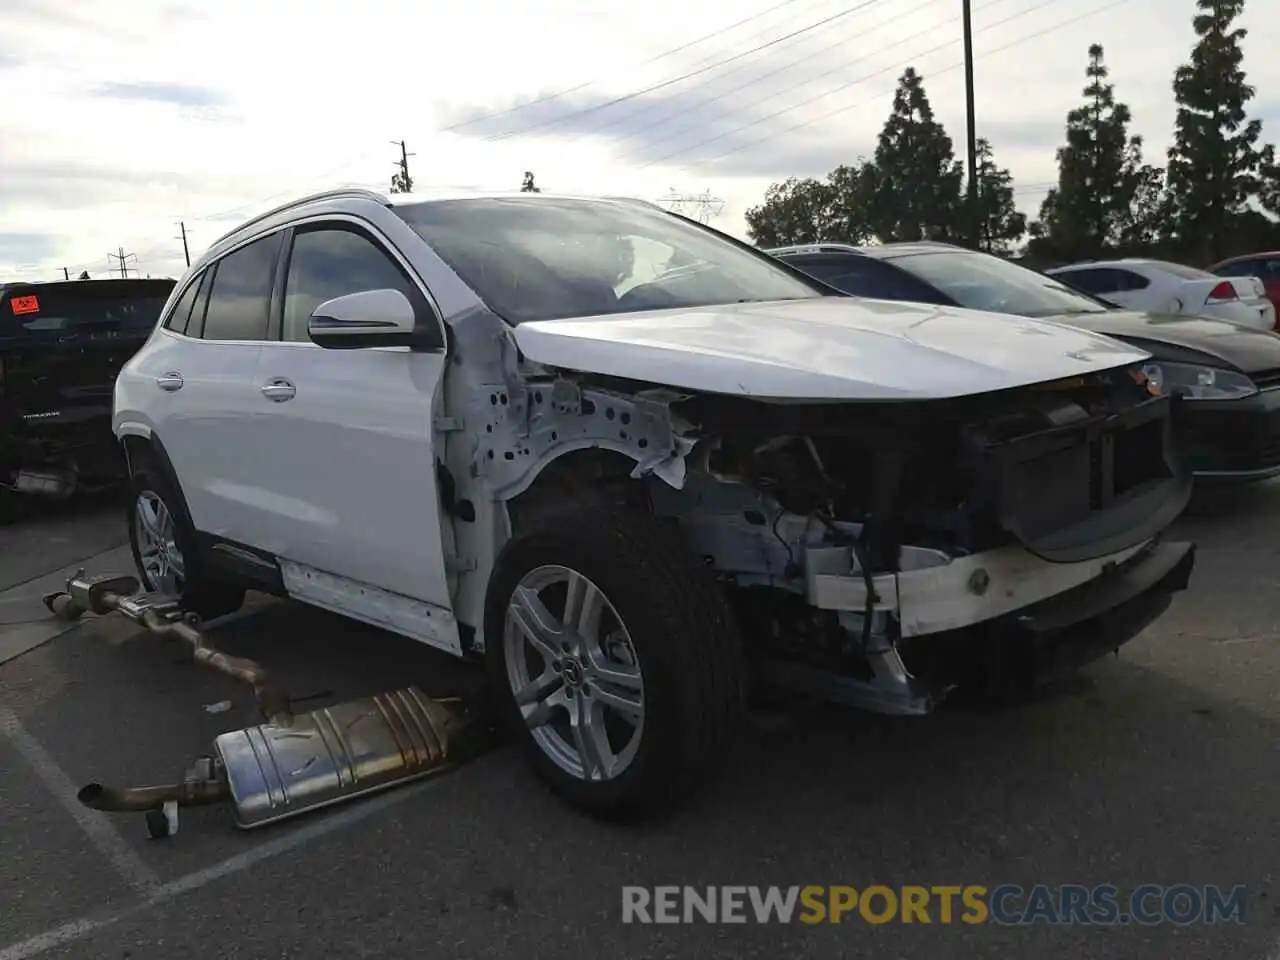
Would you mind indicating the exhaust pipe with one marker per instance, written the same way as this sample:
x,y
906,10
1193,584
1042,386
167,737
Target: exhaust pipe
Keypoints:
x,y
163,617
289,764
272,702
204,785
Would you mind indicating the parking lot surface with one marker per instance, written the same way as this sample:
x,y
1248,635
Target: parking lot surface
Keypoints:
x,y
1159,766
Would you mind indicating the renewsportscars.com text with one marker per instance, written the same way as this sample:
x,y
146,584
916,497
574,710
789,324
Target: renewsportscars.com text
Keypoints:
x,y
1007,904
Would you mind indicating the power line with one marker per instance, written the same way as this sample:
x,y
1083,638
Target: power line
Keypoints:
x,y
662,85
790,64
842,87
846,107
547,98
844,65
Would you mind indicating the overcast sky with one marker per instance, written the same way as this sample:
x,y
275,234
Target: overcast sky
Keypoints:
x,y
120,119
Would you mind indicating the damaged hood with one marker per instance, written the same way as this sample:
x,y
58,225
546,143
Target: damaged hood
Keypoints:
x,y
830,348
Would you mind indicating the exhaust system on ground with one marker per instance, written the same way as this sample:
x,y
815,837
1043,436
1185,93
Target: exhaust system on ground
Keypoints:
x,y
290,763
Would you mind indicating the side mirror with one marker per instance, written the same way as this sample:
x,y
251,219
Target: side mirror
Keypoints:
x,y
371,318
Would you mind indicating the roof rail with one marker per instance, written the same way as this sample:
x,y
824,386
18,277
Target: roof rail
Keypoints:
x,y
337,193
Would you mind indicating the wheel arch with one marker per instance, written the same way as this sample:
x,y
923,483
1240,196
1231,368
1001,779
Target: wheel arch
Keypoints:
x,y
149,449
597,468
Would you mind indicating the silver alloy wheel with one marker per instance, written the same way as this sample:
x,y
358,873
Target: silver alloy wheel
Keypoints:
x,y
575,674
162,561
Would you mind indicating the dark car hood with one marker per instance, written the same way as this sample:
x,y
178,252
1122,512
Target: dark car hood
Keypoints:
x,y
1169,337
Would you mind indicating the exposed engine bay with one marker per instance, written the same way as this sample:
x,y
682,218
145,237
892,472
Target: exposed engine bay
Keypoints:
x,y
876,550
830,523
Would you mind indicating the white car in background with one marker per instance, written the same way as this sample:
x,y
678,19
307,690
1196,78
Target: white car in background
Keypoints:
x,y
1157,286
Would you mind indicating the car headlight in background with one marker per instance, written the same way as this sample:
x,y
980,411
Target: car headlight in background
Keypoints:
x,y
1195,382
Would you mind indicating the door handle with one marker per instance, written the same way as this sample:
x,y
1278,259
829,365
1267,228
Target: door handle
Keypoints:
x,y
169,382
278,390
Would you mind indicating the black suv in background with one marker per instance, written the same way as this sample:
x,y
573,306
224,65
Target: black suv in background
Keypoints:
x,y
61,346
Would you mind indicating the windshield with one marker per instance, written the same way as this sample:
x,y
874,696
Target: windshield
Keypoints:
x,y
82,309
980,281
544,259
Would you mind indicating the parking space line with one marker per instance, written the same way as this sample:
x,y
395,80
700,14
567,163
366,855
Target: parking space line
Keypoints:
x,y
162,893
100,831
66,933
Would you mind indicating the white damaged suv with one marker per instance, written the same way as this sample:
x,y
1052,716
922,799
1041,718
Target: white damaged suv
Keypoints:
x,y
633,463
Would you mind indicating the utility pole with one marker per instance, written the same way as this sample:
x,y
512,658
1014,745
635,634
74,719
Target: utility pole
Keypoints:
x,y
402,182
124,259
66,274
185,252
975,224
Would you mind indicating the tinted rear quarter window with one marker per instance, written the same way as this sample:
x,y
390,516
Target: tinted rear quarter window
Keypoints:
x,y
240,296
181,314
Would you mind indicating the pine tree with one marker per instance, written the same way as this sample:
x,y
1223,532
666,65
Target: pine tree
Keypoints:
x,y
1098,173
917,178
1001,223
1215,162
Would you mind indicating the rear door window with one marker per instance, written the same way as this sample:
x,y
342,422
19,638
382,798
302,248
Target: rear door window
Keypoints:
x,y
240,293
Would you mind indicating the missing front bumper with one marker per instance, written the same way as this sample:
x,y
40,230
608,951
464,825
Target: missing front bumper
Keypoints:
x,y
1053,639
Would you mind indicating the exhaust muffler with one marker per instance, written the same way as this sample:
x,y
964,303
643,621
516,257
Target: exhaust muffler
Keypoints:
x,y
289,764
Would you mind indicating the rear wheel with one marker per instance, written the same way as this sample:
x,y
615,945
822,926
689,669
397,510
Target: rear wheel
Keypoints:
x,y
164,549
614,659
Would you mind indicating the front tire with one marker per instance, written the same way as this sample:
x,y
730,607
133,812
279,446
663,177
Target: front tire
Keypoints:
x,y
164,549
614,659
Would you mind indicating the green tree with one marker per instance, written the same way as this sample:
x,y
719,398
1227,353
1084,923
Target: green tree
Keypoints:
x,y
794,211
1215,161
1144,227
852,192
527,185
401,183
1099,173
917,180
1001,224
1269,188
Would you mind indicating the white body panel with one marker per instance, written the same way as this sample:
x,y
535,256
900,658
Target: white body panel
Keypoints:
x,y
344,474
201,423
1167,292
829,349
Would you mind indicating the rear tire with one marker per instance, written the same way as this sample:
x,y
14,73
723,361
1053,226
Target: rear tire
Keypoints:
x,y
164,548
662,658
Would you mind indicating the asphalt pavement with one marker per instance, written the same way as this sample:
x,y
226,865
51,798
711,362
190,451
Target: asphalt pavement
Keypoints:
x,y
1160,766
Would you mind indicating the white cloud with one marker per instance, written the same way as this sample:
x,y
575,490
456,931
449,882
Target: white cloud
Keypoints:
x,y
114,128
